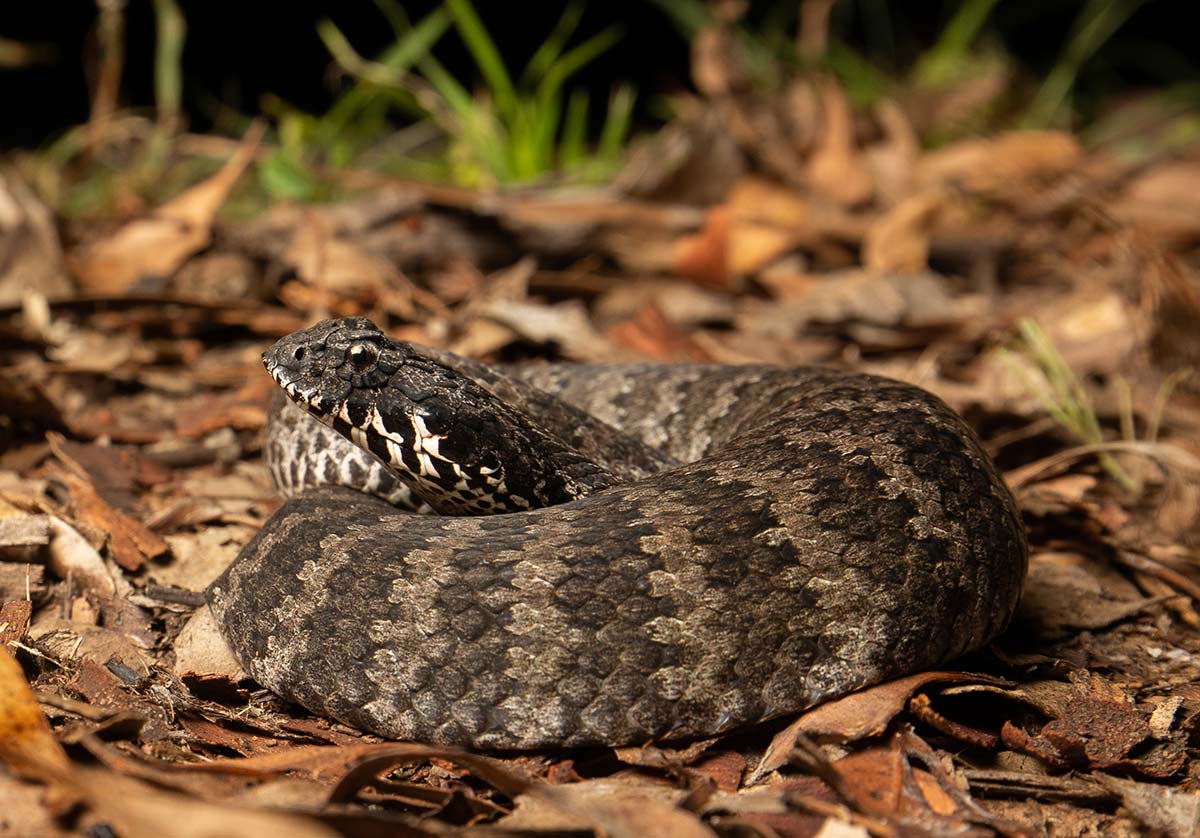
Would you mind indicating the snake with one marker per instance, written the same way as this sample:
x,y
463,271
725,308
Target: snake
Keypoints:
x,y
557,555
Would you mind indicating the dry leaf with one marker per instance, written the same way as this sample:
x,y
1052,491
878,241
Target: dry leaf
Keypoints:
x,y
1002,162
71,556
157,245
837,168
898,241
704,256
856,716
32,259
201,651
1165,200
130,542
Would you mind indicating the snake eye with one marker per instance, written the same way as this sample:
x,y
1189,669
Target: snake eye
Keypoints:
x,y
362,355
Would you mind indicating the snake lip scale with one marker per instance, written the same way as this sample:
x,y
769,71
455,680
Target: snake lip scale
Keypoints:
x,y
543,556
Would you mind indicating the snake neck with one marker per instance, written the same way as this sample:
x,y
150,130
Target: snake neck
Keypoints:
x,y
464,439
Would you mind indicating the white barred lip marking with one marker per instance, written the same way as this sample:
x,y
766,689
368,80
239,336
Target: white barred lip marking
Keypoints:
x,y
376,422
426,465
427,441
395,455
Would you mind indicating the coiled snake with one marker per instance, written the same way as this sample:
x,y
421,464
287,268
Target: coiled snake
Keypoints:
x,y
620,553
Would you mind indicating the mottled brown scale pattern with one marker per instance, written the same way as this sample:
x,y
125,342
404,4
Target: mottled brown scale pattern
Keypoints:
x,y
794,534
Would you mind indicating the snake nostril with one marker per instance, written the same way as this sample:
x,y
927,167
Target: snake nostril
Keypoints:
x,y
300,353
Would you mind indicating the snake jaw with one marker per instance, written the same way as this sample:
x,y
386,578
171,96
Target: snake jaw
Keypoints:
x,y
319,367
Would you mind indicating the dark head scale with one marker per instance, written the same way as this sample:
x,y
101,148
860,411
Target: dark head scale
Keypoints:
x,y
318,366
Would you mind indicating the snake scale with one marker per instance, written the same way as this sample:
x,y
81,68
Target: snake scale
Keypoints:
x,y
618,553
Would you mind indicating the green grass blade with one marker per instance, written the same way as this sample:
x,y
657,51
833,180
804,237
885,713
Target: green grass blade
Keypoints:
x,y
394,14
551,48
1095,24
457,97
575,59
617,123
944,61
573,146
863,82
168,55
690,16
410,47
483,50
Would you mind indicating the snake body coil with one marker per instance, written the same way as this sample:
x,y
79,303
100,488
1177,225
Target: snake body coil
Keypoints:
x,y
678,550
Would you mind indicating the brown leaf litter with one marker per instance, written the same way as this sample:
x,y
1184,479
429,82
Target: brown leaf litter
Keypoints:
x,y
130,472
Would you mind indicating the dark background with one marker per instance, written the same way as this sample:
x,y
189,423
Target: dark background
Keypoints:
x,y
238,51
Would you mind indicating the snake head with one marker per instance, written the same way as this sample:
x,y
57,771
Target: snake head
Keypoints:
x,y
320,366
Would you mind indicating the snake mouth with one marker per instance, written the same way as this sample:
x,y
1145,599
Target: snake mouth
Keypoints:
x,y
287,380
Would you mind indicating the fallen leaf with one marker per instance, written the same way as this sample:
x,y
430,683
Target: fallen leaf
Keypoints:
x,y
325,260
135,809
33,259
201,651
1099,729
71,556
1002,162
914,301
130,543
836,168
859,715
704,256
1175,812
19,529
619,808
898,241
1166,200
566,324
157,245
651,335
26,743
766,222
66,640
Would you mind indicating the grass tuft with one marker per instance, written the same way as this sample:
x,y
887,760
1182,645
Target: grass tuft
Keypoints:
x,y
1062,395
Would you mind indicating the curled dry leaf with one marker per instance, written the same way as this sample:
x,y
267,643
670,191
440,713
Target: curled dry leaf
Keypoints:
x,y
343,267
1166,200
26,744
566,324
1100,728
1002,162
157,245
836,167
71,556
898,241
130,543
858,715
201,651
704,256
